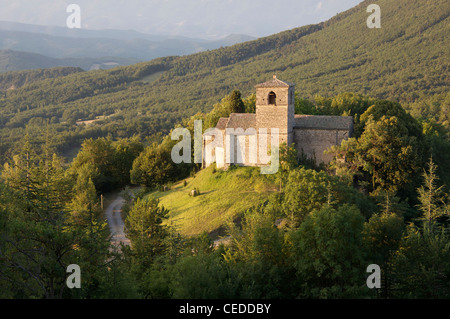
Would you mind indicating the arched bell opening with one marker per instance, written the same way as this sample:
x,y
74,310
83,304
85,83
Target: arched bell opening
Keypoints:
x,y
272,98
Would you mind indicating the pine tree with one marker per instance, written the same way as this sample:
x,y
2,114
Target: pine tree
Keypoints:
x,y
42,238
382,236
40,243
431,197
93,233
145,229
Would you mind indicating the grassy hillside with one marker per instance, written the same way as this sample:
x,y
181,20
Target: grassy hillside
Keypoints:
x,y
221,198
406,60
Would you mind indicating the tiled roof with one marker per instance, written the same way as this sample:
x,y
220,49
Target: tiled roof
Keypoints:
x,y
274,83
324,122
242,120
222,123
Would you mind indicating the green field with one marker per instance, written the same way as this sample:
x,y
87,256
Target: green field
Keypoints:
x,y
224,196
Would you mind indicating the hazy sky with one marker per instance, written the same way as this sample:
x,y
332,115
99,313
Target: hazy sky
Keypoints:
x,y
192,18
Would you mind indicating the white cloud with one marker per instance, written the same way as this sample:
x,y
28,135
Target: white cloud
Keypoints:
x,y
181,23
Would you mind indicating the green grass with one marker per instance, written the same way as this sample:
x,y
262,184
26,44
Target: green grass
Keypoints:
x,y
224,196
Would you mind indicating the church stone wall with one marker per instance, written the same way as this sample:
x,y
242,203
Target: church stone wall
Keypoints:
x,y
313,142
269,116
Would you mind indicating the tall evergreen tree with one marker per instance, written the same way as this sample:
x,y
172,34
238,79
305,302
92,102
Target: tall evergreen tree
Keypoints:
x,y
236,103
146,231
40,240
382,235
420,266
42,237
431,196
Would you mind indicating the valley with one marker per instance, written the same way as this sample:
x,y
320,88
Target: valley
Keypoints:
x,y
88,160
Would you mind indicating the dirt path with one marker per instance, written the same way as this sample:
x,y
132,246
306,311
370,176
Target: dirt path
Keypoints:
x,y
115,222
113,215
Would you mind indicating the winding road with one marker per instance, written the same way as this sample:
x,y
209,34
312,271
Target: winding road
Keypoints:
x,y
117,225
115,222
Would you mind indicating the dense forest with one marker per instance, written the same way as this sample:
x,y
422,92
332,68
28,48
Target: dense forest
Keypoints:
x,y
386,204
382,200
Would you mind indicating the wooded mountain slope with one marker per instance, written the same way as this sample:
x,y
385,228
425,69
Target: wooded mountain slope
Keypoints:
x,y
406,60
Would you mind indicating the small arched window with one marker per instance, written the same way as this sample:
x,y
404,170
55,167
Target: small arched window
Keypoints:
x,y
272,98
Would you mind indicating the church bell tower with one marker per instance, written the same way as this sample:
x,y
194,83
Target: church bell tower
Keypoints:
x,y
275,108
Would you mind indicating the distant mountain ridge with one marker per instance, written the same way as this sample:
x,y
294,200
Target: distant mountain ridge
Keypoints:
x,y
79,33
106,33
18,60
123,46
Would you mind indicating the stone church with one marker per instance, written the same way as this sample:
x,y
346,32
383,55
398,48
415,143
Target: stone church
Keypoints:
x,y
245,139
